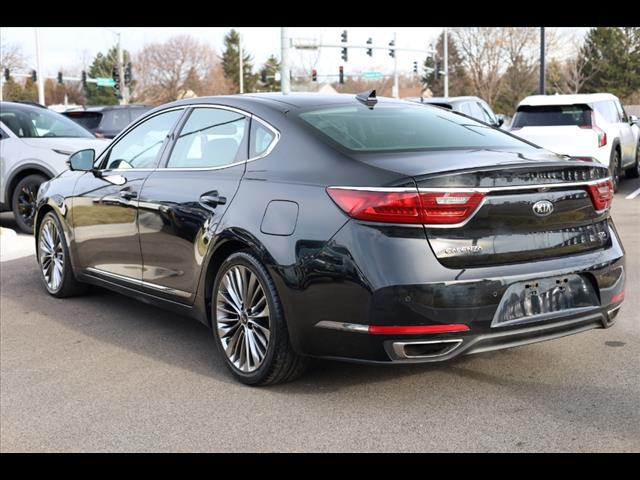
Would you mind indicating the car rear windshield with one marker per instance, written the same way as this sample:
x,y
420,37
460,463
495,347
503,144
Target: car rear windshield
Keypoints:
x,y
89,120
396,127
552,115
33,122
115,120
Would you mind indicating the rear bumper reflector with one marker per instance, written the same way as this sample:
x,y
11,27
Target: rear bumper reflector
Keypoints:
x,y
618,298
393,329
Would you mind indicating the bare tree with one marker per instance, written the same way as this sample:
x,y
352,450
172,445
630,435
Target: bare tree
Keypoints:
x,y
483,51
11,57
572,72
166,71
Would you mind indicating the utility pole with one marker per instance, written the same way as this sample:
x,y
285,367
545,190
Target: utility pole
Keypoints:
x,y
285,85
124,97
241,73
40,72
541,61
396,89
445,48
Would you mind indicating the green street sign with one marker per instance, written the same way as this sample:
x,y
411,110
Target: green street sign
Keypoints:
x,y
372,74
105,82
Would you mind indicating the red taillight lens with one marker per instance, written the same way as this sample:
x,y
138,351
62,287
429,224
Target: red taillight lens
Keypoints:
x,y
618,298
99,135
417,329
601,194
602,135
406,207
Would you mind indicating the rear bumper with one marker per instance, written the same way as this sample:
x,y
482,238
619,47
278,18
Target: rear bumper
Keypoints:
x,y
330,316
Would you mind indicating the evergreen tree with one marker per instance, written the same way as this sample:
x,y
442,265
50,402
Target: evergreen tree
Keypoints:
x,y
12,90
30,91
192,82
458,80
271,66
230,63
102,66
612,57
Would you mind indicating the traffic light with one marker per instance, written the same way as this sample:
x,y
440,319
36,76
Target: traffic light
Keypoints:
x,y
115,74
370,50
127,74
392,51
314,75
60,81
415,67
343,36
34,75
341,74
263,76
7,74
344,54
84,79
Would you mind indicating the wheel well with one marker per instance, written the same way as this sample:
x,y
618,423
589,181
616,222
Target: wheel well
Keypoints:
x,y
19,176
219,256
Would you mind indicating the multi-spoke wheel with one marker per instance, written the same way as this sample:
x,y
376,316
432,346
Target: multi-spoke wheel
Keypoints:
x,y
242,314
23,202
53,257
249,324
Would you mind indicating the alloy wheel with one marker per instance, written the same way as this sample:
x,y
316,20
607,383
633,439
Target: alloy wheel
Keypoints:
x,y
242,317
27,202
51,255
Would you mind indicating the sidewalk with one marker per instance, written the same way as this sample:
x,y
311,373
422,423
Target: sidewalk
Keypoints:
x,y
13,245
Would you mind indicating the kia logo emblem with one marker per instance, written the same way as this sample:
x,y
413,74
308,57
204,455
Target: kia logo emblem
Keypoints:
x,y
543,208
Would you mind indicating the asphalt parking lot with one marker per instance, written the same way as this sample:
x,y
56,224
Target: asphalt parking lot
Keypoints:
x,y
106,373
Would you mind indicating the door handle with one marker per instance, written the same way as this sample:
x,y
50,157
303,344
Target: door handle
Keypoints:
x,y
128,194
212,199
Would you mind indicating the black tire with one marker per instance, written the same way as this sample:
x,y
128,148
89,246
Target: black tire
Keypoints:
x,y
23,201
614,169
68,286
634,171
280,363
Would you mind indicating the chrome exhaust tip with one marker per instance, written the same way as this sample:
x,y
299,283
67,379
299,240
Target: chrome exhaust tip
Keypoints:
x,y
419,349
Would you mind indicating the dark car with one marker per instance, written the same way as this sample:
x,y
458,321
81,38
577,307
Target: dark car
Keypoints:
x,y
106,121
305,225
473,106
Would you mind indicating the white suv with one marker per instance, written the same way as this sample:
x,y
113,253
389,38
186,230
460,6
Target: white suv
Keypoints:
x,y
584,126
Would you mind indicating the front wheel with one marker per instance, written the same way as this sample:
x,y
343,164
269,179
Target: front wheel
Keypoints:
x,y
53,257
249,324
23,201
634,171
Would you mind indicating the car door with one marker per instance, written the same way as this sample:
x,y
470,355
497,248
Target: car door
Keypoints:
x,y
627,137
105,204
183,202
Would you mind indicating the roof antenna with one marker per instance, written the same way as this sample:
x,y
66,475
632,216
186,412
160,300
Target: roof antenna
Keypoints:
x,y
368,98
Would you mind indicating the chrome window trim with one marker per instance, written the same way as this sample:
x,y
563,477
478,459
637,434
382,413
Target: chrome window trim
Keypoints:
x,y
249,115
154,286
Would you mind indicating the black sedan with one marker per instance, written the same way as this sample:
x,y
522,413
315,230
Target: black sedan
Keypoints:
x,y
341,226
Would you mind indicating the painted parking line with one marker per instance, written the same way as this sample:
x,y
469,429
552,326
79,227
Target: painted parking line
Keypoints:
x,y
633,194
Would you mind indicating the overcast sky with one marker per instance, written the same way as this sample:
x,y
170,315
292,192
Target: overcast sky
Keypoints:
x,y
75,46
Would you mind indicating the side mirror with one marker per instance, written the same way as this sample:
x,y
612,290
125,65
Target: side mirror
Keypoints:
x,y
82,161
500,119
633,120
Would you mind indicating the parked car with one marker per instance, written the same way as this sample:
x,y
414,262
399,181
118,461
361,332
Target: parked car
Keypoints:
x,y
106,121
35,144
584,126
473,106
354,228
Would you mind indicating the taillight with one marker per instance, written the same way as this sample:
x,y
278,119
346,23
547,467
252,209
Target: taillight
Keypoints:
x,y
602,135
601,194
99,135
406,207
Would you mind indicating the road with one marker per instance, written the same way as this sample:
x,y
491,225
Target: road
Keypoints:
x,y
106,373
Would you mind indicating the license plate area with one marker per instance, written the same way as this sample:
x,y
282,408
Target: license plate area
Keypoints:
x,y
546,298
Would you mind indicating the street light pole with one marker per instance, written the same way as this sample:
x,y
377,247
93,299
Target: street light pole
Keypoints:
x,y
124,100
396,89
445,47
241,73
285,85
541,61
39,69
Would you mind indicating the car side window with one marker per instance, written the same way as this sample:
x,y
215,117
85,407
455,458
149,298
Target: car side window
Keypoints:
x,y
487,116
261,139
608,111
621,113
141,146
211,137
476,112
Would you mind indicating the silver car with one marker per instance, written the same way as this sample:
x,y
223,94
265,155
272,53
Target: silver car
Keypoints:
x,y
35,144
